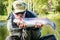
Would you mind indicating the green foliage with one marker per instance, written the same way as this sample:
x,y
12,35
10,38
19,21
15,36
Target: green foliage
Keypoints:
x,y
48,30
58,7
3,9
9,8
44,6
38,6
3,33
3,17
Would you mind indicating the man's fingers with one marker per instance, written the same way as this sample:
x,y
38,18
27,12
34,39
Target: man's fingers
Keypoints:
x,y
25,26
38,25
22,25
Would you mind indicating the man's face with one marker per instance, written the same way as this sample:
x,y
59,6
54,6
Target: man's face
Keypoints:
x,y
20,15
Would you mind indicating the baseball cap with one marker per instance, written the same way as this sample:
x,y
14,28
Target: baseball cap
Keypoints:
x,y
19,6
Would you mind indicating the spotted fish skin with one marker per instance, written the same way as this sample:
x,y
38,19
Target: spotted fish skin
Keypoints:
x,y
45,21
30,22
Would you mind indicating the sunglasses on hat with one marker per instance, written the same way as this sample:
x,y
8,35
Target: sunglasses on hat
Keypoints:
x,y
20,13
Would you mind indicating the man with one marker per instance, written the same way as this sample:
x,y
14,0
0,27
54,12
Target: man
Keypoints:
x,y
20,11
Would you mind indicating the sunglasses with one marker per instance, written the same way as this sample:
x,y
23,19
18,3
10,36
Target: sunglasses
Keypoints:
x,y
20,13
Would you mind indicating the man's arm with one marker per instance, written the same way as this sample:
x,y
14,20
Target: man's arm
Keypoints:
x,y
9,22
9,25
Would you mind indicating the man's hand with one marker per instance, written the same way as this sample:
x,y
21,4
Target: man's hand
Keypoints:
x,y
21,25
38,25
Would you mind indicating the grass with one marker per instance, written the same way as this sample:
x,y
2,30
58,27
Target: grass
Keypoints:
x,y
48,30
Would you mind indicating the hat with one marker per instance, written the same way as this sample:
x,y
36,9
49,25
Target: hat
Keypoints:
x,y
19,6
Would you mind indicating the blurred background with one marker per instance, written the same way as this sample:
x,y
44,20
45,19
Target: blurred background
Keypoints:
x,y
43,8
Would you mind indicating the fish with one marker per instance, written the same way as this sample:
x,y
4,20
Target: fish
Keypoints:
x,y
30,22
